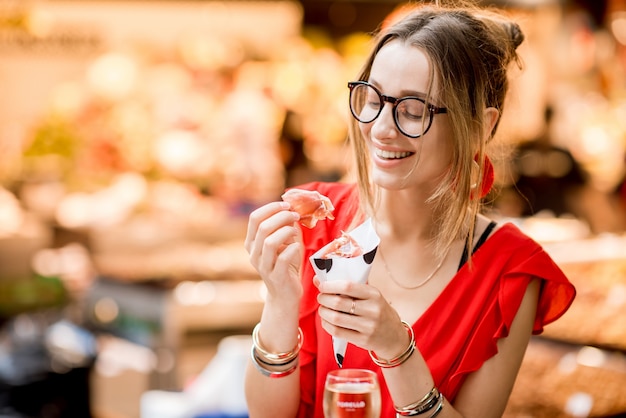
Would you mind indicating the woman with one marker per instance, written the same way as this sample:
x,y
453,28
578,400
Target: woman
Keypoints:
x,y
452,298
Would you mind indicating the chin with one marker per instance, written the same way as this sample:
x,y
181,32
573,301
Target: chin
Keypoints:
x,y
388,181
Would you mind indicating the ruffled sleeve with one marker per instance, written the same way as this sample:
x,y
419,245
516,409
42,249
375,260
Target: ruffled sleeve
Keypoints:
x,y
557,293
484,301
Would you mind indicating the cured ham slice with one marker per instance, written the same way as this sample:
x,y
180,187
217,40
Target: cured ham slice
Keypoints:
x,y
343,246
310,204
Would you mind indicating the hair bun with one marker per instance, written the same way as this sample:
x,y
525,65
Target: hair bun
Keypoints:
x,y
515,34
503,29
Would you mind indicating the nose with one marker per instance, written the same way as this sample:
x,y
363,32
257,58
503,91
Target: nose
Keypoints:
x,y
384,126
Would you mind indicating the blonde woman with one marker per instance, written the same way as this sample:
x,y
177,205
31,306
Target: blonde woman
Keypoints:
x,y
452,297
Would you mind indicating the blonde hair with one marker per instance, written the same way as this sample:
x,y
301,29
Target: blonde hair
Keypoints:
x,y
469,51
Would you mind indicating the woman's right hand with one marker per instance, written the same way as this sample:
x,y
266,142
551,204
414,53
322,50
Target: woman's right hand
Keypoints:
x,y
274,244
275,247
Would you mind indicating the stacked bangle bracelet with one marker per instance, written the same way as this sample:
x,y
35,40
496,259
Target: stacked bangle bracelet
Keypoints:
x,y
432,400
396,361
273,364
264,369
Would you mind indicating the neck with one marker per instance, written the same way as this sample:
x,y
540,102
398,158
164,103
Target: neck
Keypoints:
x,y
402,214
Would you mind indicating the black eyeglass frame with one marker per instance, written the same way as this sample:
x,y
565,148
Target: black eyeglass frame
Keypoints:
x,y
432,109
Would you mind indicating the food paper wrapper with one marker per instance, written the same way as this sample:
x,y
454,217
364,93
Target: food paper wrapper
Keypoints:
x,y
355,269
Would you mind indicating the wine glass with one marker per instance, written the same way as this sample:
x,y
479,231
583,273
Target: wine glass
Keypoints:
x,y
351,393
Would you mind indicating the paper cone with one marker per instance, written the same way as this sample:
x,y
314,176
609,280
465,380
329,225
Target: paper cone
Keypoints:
x,y
355,269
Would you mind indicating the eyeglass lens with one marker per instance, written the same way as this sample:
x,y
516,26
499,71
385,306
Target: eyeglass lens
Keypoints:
x,y
366,104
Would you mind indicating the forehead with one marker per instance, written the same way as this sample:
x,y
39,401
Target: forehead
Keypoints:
x,y
400,67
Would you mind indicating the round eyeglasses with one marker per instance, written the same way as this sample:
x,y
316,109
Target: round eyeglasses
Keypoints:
x,y
412,115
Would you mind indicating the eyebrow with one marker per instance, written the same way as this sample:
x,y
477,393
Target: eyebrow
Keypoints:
x,y
405,93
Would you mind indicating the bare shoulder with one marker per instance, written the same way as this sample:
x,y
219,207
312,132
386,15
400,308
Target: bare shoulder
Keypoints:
x,y
482,223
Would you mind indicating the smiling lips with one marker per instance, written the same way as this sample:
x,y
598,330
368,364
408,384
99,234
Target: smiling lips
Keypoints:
x,y
392,155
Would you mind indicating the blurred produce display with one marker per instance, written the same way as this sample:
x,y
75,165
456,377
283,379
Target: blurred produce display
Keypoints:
x,y
136,137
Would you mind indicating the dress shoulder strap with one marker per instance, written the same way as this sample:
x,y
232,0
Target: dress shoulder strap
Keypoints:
x,y
481,240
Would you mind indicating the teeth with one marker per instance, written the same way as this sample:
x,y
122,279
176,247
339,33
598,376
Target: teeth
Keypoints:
x,y
392,154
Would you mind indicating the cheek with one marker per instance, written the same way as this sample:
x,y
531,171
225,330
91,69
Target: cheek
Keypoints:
x,y
438,152
443,142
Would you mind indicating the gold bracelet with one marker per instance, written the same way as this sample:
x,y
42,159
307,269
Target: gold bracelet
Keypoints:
x,y
439,406
261,366
428,402
404,356
275,358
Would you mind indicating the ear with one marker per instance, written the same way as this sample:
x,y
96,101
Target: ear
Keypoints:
x,y
490,118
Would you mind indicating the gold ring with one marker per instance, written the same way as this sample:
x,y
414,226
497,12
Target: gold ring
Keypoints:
x,y
353,307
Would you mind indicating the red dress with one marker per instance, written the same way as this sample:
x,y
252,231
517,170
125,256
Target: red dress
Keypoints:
x,y
479,307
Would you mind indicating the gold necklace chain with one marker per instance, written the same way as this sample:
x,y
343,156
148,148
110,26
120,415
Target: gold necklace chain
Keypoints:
x,y
420,284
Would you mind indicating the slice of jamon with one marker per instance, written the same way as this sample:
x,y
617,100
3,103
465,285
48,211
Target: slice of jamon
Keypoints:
x,y
310,204
343,246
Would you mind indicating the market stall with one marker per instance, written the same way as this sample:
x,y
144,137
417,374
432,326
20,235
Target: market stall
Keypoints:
x,y
137,136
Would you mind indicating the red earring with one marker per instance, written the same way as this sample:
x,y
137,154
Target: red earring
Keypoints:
x,y
487,180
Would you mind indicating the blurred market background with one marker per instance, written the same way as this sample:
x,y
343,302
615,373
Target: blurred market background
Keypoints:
x,y
136,136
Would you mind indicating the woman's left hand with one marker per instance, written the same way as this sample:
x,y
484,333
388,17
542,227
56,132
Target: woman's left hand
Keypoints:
x,y
360,314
